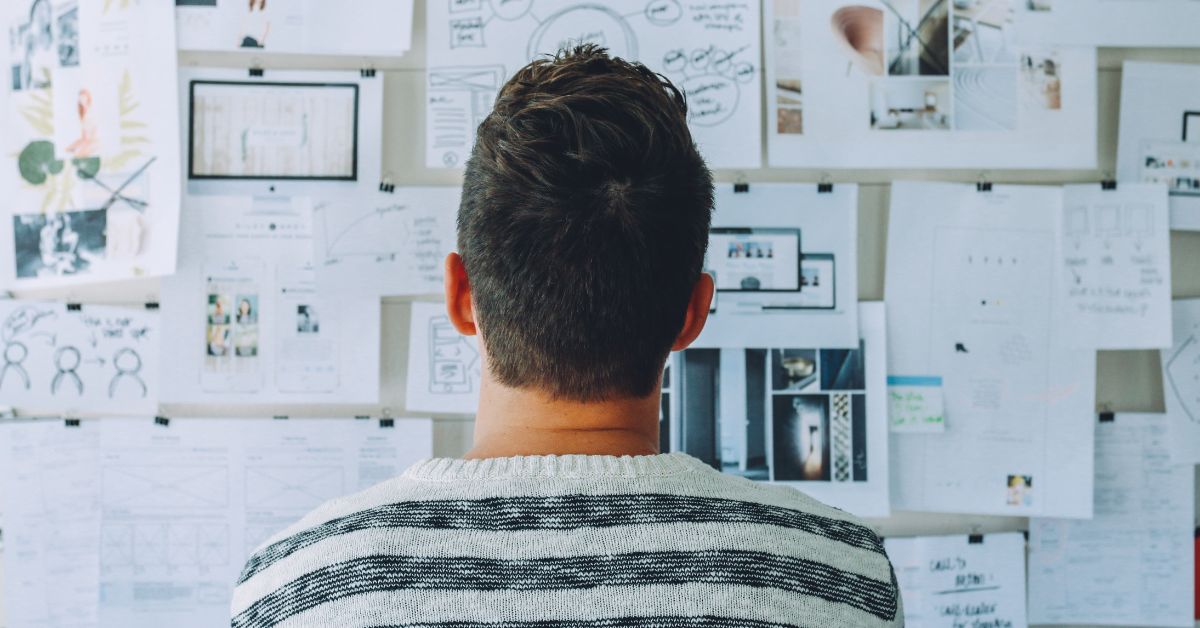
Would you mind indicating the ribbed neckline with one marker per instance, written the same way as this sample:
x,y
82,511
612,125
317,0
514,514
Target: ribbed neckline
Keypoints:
x,y
568,466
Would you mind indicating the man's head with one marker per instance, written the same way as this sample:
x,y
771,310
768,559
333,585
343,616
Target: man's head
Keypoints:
x,y
582,230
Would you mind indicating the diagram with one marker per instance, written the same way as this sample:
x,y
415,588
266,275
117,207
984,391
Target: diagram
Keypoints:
x,y
710,50
453,362
160,488
161,544
292,487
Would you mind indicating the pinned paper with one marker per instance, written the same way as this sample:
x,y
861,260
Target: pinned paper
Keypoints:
x,y
916,404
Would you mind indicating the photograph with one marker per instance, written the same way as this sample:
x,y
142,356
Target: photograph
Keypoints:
x,y
910,104
917,34
1020,490
982,31
306,320
245,330
858,31
727,433
1041,82
985,98
789,67
64,243
793,369
800,437
842,369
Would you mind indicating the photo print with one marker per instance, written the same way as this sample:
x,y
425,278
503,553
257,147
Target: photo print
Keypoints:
x,y
983,32
245,334
58,244
1041,82
910,104
1020,490
916,33
789,68
306,319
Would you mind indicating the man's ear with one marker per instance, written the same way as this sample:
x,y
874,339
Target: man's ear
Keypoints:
x,y
697,312
458,296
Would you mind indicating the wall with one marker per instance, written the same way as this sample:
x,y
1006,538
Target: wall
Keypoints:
x,y
1127,380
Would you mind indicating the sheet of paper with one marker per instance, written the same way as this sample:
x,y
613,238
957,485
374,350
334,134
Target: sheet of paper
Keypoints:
x,y
915,404
970,294
94,359
315,27
244,319
1159,137
1116,23
90,142
1115,280
1131,565
947,581
383,243
51,492
1181,383
444,367
183,505
282,133
784,258
922,84
814,418
709,49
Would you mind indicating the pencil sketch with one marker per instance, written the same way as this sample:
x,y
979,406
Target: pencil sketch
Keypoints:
x,y
128,364
453,362
66,361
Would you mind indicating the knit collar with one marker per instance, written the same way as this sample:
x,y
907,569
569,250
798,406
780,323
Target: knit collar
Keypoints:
x,y
567,466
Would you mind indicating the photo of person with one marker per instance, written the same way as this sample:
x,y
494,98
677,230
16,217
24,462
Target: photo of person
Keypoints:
x,y
793,369
32,47
256,25
88,142
218,309
800,433
1020,490
245,335
306,320
58,244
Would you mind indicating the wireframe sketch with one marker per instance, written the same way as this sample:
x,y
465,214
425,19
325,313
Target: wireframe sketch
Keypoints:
x,y
451,359
1182,373
165,488
295,487
128,365
710,50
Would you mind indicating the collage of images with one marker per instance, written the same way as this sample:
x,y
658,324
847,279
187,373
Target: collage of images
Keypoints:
x,y
779,415
930,65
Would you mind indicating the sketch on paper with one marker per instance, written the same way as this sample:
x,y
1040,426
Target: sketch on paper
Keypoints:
x,y
91,130
444,367
453,362
94,358
710,50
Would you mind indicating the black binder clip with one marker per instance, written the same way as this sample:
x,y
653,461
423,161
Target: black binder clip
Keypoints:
x,y
741,187
1108,185
983,186
387,422
386,185
367,73
975,539
74,307
162,420
824,188
152,305
256,72
71,422
1107,417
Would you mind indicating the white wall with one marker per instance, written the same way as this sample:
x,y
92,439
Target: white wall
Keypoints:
x,y
1127,380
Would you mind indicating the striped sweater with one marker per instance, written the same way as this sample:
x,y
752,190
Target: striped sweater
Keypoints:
x,y
575,541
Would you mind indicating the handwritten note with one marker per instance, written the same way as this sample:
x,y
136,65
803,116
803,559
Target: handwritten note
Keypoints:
x,y
916,404
950,581
1115,279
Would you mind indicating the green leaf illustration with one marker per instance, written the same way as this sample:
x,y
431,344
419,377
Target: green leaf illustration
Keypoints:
x,y
37,161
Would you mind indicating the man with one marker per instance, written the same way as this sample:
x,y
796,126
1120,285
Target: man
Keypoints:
x,y
582,232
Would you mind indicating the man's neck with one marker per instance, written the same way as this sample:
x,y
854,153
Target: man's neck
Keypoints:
x,y
517,422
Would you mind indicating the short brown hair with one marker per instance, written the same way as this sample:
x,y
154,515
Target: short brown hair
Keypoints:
x,y
583,225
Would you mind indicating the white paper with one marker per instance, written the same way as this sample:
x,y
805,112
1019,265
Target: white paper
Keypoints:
x,y
244,320
1116,23
315,27
1159,138
385,243
1132,564
1115,280
814,418
1181,383
90,139
970,294
51,494
283,133
444,367
916,404
96,359
710,50
751,256
949,581
922,84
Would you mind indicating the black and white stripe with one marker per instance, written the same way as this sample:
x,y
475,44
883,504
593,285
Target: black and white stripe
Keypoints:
x,y
749,569
564,512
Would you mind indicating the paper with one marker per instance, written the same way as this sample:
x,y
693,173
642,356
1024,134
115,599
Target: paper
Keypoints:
x,y
1115,23
970,295
922,84
1181,383
915,404
282,133
1115,280
51,493
444,367
784,260
314,27
1159,139
244,320
814,418
385,244
94,359
710,50
952,582
91,132
1131,565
